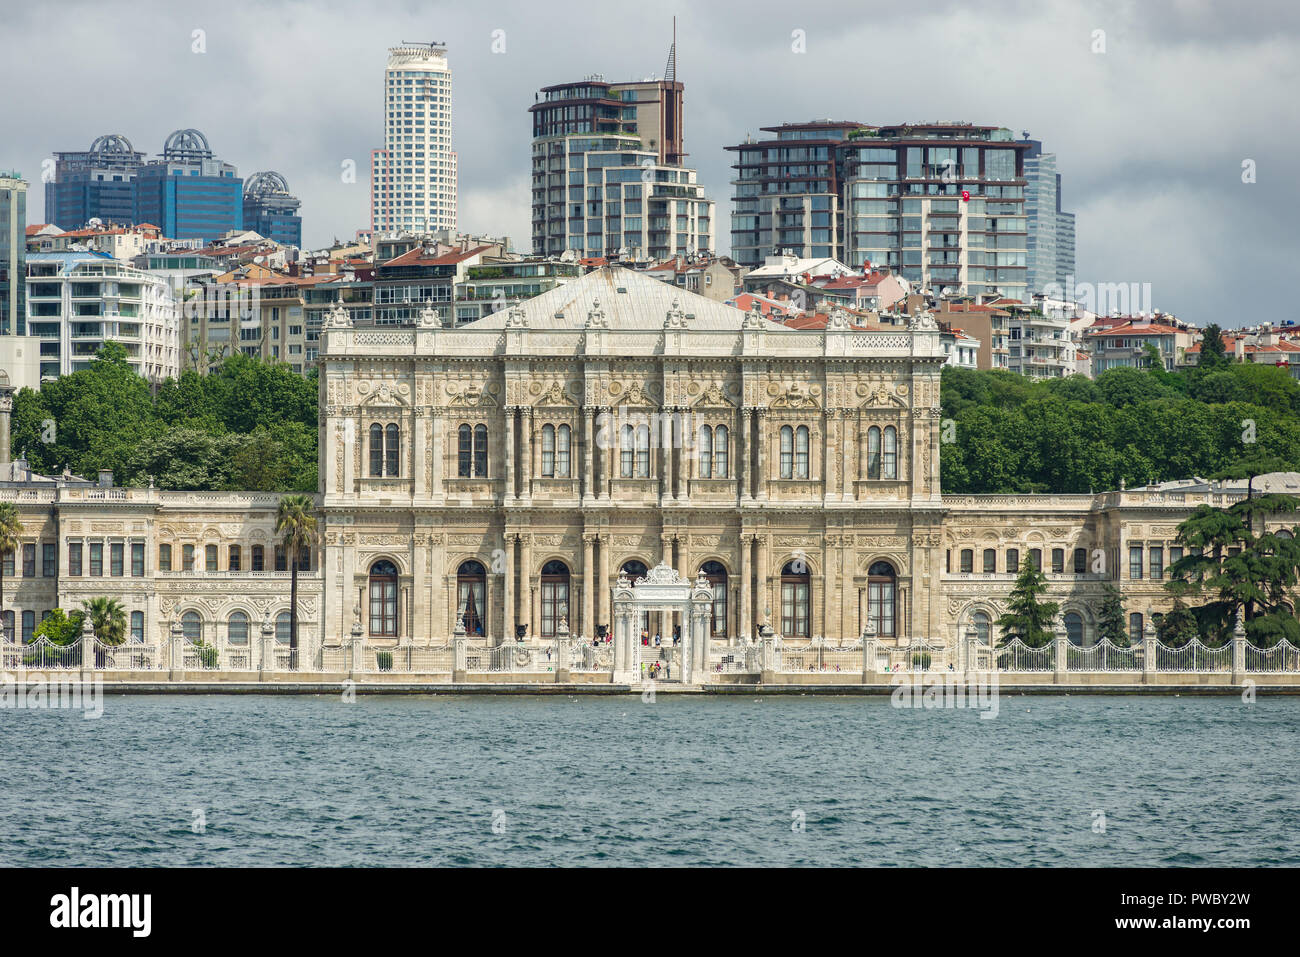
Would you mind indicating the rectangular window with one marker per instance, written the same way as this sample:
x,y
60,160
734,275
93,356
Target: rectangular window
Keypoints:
x,y
1175,553
164,558
1157,562
967,561
1058,561
137,559
234,558
1135,628
1135,562
1013,560
187,558
304,560
49,559
137,624
7,563
97,559
281,561
990,561
74,558
29,560
210,558
259,558
116,552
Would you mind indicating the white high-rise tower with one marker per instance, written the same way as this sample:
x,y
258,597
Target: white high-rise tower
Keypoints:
x,y
413,177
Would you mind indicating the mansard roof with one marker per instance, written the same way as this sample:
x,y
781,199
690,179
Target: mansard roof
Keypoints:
x,y
629,300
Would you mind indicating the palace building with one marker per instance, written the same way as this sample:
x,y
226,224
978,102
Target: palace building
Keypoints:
x,y
507,471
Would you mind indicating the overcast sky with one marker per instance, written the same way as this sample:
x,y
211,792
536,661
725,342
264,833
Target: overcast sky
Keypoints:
x,y
1150,134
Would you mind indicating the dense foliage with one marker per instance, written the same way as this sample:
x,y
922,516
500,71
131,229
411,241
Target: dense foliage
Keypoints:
x,y
248,425
1011,434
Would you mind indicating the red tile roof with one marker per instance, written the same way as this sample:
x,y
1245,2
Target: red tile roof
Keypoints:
x,y
417,257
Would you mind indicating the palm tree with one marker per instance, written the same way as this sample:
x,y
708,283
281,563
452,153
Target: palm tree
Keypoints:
x,y
296,525
108,619
11,527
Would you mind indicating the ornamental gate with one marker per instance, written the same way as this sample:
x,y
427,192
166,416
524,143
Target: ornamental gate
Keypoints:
x,y
662,589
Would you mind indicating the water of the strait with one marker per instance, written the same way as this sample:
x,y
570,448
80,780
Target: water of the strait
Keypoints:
x,y
778,780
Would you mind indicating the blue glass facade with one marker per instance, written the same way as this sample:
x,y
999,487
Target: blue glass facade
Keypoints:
x,y
187,205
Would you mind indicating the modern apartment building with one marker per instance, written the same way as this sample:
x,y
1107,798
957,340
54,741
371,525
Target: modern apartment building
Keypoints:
x,y
788,192
98,183
1050,231
77,301
413,176
1121,342
608,173
270,210
13,254
491,287
188,193
1039,344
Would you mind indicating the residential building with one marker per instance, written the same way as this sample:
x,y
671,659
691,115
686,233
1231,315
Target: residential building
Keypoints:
x,y
1120,342
608,175
413,176
492,286
120,242
1050,231
1264,344
788,192
423,277
270,210
77,301
13,254
95,184
1039,344
961,349
716,278
990,325
188,193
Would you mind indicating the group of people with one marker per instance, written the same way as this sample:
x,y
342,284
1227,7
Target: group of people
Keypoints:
x,y
657,669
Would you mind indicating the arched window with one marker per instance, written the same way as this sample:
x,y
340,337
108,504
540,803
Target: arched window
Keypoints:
x,y
801,452
383,599
563,442
555,597
1080,561
548,451
982,624
706,451
1058,561
967,561
1074,627
283,627
643,451
237,628
882,588
990,561
796,600
787,452
233,558
192,626
1135,628
889,458
873,452
259,558
1013,561
376,450
717,577
471,586
392,451
626,450
137,625
480,451
721,438
1280,533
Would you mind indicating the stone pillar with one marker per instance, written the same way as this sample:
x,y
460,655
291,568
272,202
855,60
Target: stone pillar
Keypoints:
x,y
870,650
589,488
268,646
176,651
436,425
1239,647
563,650
970,662
6,414
1149,655
760,449
606,578
89,655
358,649
416,459
747,430
510,610
526,453
848,443
587,631
746,599
1060,643
764,586
830,449
511,480
459,651
525,586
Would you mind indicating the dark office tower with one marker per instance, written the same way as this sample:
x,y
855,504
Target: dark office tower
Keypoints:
x,y
13,254
188,193
270,210
96,184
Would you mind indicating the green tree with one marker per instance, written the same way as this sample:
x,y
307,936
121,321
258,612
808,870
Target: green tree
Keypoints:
x,y
11,528
60,627
1177,626
1027,618
1111,621
107,618
296,526
1213,352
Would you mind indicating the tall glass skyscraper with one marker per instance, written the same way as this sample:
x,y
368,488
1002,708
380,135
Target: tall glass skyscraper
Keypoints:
x,y
98,183
413,177
1051,232
188,193
13,254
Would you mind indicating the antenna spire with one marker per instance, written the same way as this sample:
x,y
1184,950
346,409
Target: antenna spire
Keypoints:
x,y
670,71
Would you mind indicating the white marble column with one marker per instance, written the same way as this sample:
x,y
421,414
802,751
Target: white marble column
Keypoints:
x,y
588,625
511,480
746,429
760,449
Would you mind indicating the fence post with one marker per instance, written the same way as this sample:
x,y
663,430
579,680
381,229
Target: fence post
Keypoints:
x,y
870,653
266,660
459,650
176,652
563,644
769,661
358,649
1239,647
1060,642
88,656
1149,645
972,662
